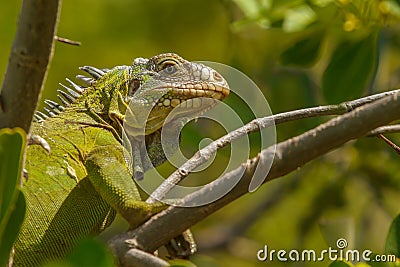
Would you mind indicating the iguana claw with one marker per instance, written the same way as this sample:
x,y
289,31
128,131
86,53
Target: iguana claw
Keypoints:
x,y
37,140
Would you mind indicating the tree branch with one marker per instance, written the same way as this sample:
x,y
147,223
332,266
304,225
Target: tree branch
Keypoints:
x,y
140,258
289,155
385,130
207,152
27,67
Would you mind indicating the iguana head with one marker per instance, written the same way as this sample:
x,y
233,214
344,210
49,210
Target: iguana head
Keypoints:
x,y
149,90
168,82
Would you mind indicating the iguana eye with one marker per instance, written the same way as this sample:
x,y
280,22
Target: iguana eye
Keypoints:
x,y
168,66
170,69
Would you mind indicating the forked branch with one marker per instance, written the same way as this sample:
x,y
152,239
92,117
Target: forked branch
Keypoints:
x,y
289,155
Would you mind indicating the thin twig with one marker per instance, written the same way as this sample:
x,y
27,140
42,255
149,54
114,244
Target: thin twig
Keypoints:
x,y
207,152
385,130
66,41
390,143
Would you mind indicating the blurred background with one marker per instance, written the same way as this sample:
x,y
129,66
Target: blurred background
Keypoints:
x,y
300,54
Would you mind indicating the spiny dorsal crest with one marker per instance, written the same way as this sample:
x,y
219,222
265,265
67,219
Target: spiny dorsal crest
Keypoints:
x,y
70,94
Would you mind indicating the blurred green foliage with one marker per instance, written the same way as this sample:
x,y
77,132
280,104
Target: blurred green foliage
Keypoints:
x,y
301,54
88,252
12,201
393,239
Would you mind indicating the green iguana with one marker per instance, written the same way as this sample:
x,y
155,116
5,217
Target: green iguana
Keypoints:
x,y
76,189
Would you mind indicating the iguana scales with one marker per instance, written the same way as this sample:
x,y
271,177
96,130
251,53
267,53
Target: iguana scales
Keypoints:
x,y
76,189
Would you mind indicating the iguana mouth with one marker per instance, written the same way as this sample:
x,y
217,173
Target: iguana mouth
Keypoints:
x,y
190,96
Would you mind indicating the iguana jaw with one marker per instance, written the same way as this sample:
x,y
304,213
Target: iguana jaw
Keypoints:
x,y
190,95
184,103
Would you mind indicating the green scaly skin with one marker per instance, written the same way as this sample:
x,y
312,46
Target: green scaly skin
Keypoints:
x,y
76,189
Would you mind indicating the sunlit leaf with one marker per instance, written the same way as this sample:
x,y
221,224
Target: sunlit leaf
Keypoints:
x,y
362,264
251,8
340,264
322,3
298,18
390,7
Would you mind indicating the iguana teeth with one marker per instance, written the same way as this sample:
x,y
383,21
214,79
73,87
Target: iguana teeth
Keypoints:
x,y
73,93
92,71
51,113
65,102
85,79
69,98
76,87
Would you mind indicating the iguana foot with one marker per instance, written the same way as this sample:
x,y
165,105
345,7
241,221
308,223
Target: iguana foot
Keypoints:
x,y
182,246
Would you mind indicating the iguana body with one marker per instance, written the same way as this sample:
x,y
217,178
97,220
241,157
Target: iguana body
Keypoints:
x,y
77,188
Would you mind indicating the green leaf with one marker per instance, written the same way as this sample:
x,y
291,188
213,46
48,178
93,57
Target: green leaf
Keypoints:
x,y
393,238
350,70
252,8
90,252
362,264
304,52
12,201
340,264
374,263
11,144
298,18
12,228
